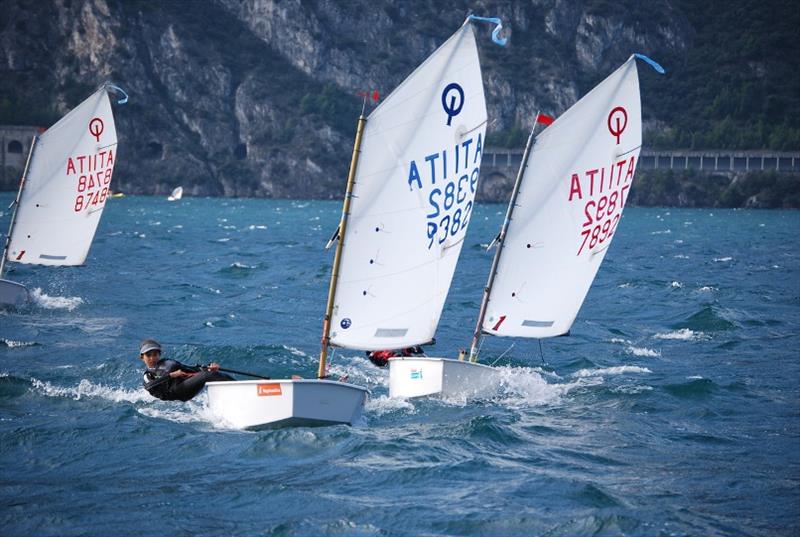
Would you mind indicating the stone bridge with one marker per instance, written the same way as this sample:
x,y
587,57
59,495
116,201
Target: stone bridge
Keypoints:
x,y
499,166
506,161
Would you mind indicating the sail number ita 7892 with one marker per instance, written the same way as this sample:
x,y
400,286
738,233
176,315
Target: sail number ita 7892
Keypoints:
x,y
603,192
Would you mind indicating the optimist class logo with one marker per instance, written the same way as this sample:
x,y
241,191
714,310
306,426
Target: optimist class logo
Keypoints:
x,y
452,101
617,121
96,128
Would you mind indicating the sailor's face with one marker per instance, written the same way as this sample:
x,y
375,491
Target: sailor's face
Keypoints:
x,y
151,357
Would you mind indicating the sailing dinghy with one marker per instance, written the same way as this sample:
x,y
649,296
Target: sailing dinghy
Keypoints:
x,y
176,194
408,203
564,211
63,191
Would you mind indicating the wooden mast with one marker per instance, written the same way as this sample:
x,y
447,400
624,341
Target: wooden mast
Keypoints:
x,y
337,258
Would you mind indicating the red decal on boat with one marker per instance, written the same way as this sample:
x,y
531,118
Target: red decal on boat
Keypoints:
x,y
20,255
499,322
265,390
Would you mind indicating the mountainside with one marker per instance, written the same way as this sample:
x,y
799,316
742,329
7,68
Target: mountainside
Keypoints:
x,y
259,97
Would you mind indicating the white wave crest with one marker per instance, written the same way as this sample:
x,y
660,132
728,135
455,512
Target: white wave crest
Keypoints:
x,y
677,285
384,404
642,351
632,390
617,370
525,386
87,388
295,351
194,411
722,259
684,334
707,289
11,344
358,370
55,302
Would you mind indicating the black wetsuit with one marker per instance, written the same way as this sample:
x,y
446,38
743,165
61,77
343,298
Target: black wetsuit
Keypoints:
x,y
160,385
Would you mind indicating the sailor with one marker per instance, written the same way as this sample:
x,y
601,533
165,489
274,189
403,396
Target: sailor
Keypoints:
x,y
381,358
171,380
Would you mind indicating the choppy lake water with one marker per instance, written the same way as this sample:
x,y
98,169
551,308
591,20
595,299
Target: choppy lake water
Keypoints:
x,y
672,409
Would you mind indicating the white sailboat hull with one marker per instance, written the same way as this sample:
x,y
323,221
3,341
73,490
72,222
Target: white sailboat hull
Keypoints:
x,y
261,404
12,293
442,377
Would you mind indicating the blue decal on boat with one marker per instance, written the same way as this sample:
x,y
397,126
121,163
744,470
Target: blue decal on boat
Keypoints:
x,y
416,374
345,323
450,93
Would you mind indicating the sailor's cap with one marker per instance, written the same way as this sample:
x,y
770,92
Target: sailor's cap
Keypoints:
x,y
149,345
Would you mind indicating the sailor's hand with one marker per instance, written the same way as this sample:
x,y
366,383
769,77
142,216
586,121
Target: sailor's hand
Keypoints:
x,y
213,367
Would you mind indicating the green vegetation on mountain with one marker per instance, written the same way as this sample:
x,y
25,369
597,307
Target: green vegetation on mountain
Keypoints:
x,y
260,98
737,86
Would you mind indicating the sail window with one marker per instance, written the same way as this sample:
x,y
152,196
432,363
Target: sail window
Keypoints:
x,y
537,324
391,332
15,146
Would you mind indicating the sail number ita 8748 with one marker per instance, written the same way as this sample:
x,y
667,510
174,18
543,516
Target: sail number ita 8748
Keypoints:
x,y
93,175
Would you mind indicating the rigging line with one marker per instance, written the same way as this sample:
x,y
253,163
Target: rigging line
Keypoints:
x,y
330,360
541,352
504,353
478,353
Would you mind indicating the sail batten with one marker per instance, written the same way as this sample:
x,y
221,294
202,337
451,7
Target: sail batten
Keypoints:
x,y
412,200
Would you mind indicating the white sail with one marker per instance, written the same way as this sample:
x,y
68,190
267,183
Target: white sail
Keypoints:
x,y
573,192
412,202
67,186
177,194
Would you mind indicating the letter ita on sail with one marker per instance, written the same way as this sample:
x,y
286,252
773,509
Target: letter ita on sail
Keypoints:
x,y
67,186
576,183
412,202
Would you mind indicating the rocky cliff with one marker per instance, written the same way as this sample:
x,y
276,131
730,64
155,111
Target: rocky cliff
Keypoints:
x,y
259,97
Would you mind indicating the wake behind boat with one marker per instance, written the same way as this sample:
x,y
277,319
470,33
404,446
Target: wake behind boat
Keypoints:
x,y
563,213
63,191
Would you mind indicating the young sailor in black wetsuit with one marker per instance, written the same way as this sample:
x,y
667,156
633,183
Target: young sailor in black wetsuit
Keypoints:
x,y
170,380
